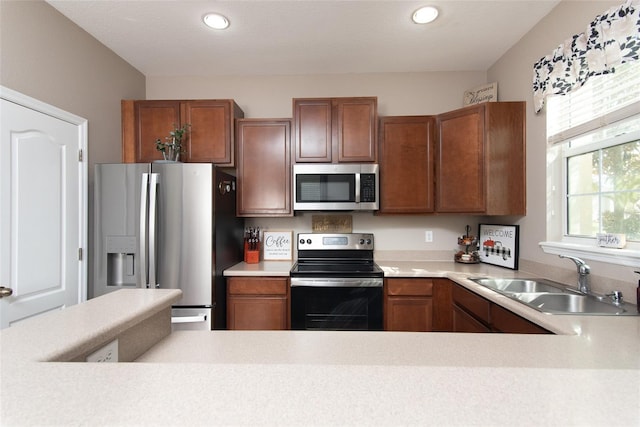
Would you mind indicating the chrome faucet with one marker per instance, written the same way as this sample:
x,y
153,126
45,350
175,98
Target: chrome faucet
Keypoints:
x,y
583,274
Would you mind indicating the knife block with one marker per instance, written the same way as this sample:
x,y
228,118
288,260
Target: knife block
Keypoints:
x,y
251,256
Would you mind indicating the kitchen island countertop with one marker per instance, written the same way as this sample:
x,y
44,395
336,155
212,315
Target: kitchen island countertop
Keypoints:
x,y
588,374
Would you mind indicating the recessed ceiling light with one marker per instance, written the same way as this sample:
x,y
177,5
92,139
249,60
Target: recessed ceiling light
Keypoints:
x,y
424,15
216,21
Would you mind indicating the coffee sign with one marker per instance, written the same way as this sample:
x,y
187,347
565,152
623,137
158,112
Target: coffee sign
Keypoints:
x,y
277,245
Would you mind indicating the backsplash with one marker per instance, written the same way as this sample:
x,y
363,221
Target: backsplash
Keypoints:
x,y
392,233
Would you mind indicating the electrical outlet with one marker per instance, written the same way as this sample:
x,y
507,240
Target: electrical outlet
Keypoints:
x,y
428,236
108,353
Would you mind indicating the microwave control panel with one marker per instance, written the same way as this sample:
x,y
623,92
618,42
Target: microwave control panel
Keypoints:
x,y
367,187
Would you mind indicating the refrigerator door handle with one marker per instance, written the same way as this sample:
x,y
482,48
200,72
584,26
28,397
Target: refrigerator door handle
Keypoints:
x,y
153,204
144,189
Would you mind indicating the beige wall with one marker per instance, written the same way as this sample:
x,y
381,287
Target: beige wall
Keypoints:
x,y
47,57
270,96
514,73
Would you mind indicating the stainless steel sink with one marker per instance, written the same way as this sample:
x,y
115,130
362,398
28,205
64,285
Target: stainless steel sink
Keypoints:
x,y
571,304
521,285
555,298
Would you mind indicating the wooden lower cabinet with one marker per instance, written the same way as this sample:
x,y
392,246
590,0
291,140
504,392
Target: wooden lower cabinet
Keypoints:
x,y
258,303
503,320
421,305
473,313
408,305
464,322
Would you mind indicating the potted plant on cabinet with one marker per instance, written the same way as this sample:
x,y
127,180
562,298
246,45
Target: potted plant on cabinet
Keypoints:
x,y
171,148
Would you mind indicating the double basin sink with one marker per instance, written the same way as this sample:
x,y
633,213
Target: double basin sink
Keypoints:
x,y
555,298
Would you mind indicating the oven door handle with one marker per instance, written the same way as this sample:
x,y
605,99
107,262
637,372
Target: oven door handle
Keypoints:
x,y
324,282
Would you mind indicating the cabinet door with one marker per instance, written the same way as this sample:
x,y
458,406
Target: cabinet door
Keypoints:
x,y
356,129
442,305
210,138
474,304
460,183
258,303
211,133
312,128
408,305
152,120
406,164
505,158
413,314
257,313
264,167
503,320
463,322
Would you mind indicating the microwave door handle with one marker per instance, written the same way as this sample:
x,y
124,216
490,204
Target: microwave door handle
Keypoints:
x,y
357,198
144,189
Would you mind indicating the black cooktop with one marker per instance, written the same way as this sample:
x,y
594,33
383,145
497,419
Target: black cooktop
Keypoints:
x,y
335,268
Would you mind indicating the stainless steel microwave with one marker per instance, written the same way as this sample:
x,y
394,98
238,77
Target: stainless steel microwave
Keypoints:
x,y
336,187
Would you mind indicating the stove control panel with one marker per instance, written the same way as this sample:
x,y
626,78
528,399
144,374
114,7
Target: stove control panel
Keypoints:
x,y
335,241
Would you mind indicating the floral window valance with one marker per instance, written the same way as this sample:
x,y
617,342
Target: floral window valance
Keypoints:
x,y
610,40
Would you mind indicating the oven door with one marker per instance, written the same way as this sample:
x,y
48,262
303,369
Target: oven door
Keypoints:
x,y
336,304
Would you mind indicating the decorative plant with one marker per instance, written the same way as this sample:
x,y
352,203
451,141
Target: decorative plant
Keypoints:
x,y
171,148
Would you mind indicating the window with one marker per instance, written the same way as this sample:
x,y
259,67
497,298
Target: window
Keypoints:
x,y
594,158
603,192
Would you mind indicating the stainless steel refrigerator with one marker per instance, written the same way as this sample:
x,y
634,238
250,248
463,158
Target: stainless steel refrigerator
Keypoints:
x,y
167,225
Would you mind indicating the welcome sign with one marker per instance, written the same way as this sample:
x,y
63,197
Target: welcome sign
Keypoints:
x,y
499,245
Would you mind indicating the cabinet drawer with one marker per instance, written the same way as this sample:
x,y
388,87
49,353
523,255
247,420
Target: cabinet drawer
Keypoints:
x,y
471,302
253,286
409,287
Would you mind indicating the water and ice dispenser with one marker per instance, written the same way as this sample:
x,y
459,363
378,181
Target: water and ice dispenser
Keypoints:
x,y
121,260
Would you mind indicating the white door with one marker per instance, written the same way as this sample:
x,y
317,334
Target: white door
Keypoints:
x,y
43,214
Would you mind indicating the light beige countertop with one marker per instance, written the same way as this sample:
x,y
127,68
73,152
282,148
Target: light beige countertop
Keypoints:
x,y
262,268
589,374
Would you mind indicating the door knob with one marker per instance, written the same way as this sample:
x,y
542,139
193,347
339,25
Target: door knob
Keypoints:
x,y
5,292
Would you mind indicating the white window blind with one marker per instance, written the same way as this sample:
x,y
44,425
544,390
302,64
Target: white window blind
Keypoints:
x,y
602,101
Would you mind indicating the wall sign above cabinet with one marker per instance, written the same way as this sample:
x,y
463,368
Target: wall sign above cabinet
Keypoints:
x,y
484,93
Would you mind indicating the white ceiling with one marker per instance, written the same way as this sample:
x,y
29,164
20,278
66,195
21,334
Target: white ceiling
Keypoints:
x,y
168,38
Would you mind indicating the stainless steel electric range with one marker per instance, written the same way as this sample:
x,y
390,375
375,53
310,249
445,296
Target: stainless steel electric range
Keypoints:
x,y
335,284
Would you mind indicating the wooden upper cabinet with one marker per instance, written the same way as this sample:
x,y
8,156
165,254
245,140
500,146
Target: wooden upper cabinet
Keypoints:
x,y
480,163
312,127
333,130
264,167
211,135
356,129
407,164
211,138
142,123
